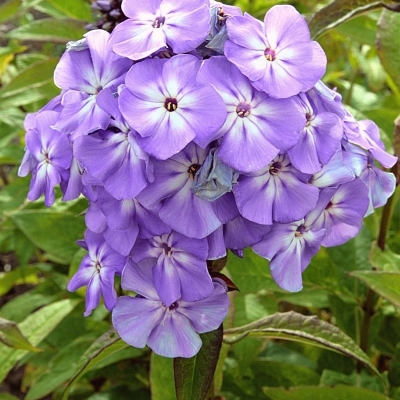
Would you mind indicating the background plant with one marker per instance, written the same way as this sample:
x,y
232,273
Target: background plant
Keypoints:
x,y
49,350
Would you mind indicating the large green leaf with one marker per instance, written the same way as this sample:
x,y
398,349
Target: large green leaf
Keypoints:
x,y
32,77
60,369
193,376
35,328
54,232
17,276
11,336
387,42
9,9
387,284
304,329
162,378
76,9
49,30
250,273
324,393
338,12
99,354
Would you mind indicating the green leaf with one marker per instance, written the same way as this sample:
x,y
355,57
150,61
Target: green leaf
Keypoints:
x,y
9,9
363,379
11,336
54,232
17,276
76,9
361,30
12,116
279,373
303,329
387,43
49,30
193,376
250,273
18,308
6,396
95,356
162,378
309,298
27,4
324,393
386,261
33,77
35,328
387,284
60,369
11,155
338,12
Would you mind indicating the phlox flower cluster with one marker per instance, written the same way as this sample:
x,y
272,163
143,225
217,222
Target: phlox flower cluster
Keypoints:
x,y
192,129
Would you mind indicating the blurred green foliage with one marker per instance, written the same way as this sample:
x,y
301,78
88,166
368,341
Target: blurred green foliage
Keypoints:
x,y
355,287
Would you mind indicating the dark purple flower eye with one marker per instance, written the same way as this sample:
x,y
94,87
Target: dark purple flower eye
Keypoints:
x,y
171,104
269,54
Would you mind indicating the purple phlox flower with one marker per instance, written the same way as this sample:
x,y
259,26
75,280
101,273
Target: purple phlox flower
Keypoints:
x,y
333,173
73,188
53,105
279,59
169,331
290,247
90,185
48,157
155,24
109,103
276,193
114,158
257,127
125,220
179,266
226,211
29,162
99,68
97,271
219,34
365,133
216,244
225,207
180,208
241,233
326,99
95,219
214,178
319,139
167,107
344,212
236,233
381,184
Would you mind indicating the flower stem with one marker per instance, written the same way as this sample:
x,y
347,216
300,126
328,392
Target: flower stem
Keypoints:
x,y
369,302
